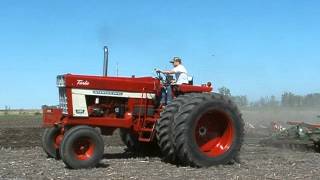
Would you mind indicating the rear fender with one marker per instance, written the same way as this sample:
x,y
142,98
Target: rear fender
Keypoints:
x,y
185,88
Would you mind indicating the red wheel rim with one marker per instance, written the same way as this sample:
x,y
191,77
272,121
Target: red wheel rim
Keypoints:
x,y
83,148
57,140
214,133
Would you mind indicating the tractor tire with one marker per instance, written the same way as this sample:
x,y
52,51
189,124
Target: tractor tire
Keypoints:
x,y
135,146
82,147
51,139
208,130
164,131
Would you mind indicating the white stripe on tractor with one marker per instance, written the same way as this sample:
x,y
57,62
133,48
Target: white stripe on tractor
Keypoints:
x,y
108,93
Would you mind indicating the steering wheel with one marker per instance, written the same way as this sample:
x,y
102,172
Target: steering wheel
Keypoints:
x,y
164,80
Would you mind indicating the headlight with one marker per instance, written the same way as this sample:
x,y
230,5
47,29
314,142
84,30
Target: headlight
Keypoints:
x,y
61,81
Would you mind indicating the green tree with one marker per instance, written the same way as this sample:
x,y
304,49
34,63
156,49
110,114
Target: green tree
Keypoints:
x,y
6,110
240,100
312,100
272,101
224,91
289,99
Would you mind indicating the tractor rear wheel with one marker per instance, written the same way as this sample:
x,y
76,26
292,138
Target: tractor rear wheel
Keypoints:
x,y
51,139
164,132
208,130
129,139
82,147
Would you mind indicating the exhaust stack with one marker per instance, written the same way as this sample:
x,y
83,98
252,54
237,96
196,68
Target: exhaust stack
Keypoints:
x,y
105,61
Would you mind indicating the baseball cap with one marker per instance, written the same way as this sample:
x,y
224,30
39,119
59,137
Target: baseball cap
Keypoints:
x,y
175,59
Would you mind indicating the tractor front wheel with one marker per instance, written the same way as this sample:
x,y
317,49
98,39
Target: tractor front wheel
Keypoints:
x,y
82,147
51,140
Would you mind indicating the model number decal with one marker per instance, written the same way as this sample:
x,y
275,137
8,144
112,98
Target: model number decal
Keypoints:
x,y
83,82
112,93
80,111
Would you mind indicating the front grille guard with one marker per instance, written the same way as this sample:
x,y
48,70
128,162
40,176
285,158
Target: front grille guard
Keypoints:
x,y
63,100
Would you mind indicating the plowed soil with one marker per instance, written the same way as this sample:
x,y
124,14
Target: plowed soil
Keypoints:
x,y
22,157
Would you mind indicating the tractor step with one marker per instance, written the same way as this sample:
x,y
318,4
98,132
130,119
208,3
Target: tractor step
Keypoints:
x,y
141,139
146,130
145,134
151,120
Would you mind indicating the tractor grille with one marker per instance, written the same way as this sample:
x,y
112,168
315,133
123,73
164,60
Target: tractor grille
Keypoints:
x,y
63,100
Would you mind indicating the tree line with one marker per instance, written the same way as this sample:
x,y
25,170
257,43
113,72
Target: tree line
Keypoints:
x,y
288,99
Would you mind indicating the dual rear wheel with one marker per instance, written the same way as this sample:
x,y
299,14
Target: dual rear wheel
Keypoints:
x,y
200,130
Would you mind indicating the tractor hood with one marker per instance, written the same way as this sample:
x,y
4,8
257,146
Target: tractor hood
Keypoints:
x,y
130,84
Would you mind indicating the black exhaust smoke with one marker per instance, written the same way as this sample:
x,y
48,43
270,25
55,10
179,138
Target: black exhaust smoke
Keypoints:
x,y
105,61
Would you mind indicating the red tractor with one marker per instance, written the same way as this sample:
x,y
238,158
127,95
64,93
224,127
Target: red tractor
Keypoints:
x,y
198,128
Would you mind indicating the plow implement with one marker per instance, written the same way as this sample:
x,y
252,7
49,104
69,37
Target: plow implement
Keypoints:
x,y
298,136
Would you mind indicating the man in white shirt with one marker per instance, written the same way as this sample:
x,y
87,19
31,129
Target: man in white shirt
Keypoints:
x,y
179,70
181,77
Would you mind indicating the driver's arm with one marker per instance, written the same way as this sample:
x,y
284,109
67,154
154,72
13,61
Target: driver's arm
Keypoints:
x,y
168,72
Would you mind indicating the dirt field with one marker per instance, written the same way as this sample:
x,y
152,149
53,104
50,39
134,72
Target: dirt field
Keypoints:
x,y
22,156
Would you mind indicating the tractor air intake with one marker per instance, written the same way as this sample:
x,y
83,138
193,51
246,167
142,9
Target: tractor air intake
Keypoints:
x,y
105,61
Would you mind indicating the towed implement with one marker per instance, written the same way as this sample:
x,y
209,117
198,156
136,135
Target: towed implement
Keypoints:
x,y
198,128
298,136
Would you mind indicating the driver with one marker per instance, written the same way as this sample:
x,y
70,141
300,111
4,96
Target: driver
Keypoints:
x,y
181,77
179,70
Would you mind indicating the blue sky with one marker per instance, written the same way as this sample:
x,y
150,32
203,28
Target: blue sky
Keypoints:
x,y
253,47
